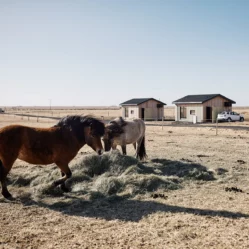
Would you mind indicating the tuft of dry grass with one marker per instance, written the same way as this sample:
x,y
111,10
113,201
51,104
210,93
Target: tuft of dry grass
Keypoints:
x,y
113,162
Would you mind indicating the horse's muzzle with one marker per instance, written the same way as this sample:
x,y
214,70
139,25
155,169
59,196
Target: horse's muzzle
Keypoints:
x,y
100,152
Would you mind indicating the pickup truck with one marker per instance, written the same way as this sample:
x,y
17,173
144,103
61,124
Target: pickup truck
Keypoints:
x,y
230,116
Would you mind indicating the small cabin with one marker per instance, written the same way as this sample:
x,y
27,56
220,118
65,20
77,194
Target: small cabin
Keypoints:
x,y
144,108
201,108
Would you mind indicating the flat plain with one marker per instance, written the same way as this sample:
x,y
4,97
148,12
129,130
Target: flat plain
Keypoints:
x,y
202,200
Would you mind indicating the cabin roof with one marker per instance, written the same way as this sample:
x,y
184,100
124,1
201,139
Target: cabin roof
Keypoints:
x,y
200,98
139,101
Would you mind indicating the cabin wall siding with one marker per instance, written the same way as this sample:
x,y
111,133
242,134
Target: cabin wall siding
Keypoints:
x,y
131,115
151,111
198,108
218,105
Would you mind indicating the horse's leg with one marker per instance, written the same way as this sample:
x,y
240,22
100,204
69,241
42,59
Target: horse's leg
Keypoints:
x,y
5,191
138,147
114,147
135,145
4,170
123,149
63,186
66,174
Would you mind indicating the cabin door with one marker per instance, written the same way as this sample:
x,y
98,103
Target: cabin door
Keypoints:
x,y
208,114
142,113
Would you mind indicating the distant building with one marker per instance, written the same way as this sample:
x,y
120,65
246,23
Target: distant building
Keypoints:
x,y
144,108
201,108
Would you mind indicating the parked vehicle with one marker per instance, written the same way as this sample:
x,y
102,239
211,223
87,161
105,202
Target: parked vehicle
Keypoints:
x,y
230,116
1,110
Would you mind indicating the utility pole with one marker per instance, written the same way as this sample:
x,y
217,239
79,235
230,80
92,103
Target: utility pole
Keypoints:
x,y
50,100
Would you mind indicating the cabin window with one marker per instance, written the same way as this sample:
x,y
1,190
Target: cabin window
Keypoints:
x,y
183,112
228,104
132,111
192,112
126,113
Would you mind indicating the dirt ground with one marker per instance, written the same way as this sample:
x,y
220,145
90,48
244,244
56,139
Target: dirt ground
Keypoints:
x,y
202,213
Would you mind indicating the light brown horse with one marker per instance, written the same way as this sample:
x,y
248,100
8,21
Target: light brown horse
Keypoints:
x,y
58,144
122,132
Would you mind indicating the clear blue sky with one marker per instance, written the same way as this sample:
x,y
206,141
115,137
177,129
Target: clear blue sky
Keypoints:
x,y
104,52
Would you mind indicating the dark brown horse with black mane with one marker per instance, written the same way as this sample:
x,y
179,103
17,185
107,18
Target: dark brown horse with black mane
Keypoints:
x,y
58,144
122,132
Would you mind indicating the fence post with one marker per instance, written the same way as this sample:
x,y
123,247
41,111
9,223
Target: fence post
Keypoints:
x,y
162,122
216,126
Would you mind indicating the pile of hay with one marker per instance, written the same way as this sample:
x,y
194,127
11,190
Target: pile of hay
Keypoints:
x,y
110,174
113,173
98,177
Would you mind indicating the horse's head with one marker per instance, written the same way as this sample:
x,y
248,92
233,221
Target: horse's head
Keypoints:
x,y
113,130
93,139
87,130
108,139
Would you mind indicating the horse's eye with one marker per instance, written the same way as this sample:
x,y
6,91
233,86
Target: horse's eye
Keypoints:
x,y
93,136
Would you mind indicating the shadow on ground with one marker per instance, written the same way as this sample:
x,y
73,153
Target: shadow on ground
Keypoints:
x,y
183,170
121,208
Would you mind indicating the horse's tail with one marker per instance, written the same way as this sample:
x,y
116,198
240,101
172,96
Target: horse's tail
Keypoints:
x,y
142,151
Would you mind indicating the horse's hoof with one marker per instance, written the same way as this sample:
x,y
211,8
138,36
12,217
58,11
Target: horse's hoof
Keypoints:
x,y
64,188
55,184
7,195
11,198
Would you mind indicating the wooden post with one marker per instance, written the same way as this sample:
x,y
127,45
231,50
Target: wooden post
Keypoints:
x,y
162,122
216,126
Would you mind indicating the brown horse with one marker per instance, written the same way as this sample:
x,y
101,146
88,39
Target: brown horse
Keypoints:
x,y
58,144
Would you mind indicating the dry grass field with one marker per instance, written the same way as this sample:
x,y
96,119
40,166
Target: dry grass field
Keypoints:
x,y
191,192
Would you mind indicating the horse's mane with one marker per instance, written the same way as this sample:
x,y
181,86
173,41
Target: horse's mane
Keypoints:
x,y
77,123
120,121
115,127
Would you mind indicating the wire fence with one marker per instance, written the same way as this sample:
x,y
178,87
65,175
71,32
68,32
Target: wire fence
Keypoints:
x,y
52,117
